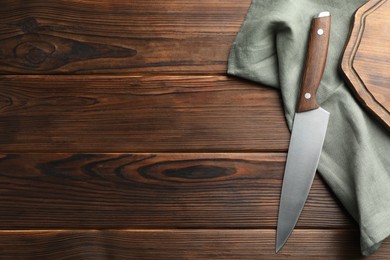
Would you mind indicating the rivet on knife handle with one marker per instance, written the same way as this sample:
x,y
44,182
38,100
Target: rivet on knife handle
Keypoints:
x,y
315,62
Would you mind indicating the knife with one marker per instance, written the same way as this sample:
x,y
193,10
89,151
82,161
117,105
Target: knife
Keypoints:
x,y
308,133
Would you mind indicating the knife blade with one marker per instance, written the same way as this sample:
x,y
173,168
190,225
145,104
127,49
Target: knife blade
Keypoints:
x,y
308,133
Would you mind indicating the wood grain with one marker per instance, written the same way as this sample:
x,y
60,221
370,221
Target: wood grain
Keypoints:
x,y
366,58
160,156
182,190
317,53
90,37
181,244
136,114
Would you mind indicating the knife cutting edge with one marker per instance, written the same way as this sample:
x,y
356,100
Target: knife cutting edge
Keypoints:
x,y
308,133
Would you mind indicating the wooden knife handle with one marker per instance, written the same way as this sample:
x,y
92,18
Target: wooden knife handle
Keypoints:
x,y
315,62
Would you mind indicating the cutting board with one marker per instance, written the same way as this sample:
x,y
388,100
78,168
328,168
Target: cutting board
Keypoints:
x,y
366,60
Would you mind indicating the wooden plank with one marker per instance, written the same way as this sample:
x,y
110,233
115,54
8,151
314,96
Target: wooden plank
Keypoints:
x,y
136,114
182,244
89,37
202,190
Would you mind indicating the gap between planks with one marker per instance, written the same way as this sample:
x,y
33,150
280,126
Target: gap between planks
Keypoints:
x,y
301,229
124,76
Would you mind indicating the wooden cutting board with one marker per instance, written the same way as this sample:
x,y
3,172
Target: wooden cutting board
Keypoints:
x,y
366,60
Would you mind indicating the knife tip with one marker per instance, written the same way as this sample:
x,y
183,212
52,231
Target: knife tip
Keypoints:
x,y
281,240
278,248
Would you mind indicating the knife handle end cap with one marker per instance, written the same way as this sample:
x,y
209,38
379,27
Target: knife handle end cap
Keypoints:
x,y
323,14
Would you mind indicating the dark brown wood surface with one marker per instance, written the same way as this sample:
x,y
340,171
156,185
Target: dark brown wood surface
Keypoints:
x,y
153,152
120,37
181,244
182,190
366,60
142,113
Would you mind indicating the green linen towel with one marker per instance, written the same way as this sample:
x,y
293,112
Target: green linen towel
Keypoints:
x,y
355,162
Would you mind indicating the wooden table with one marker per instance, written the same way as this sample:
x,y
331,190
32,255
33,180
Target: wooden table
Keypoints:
x,y
122,137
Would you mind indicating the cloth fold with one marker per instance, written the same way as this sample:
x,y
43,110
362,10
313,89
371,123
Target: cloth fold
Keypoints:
x,y
355,162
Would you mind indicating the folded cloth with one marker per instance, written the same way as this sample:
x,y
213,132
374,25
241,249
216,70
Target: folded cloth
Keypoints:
x,y
355,161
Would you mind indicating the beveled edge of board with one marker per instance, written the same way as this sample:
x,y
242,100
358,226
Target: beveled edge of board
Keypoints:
x,y
355,83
